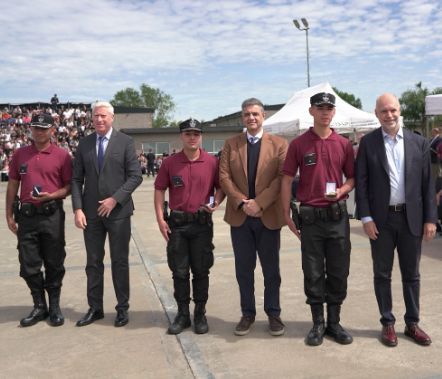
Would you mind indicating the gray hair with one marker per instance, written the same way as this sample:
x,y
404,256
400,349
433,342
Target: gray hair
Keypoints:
x,y
251,102
103,104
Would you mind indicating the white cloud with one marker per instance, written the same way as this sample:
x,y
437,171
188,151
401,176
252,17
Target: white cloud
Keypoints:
x,y
215,51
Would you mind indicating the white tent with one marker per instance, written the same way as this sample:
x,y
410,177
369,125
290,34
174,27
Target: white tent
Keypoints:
x,y
433,105
294,118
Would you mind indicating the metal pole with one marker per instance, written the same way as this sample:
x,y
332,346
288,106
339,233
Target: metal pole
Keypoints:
x,y
308,58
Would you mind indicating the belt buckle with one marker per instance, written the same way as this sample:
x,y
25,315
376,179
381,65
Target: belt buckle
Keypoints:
x,y
398,207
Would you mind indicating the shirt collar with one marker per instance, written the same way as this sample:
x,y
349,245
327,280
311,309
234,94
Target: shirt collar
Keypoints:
x,y
107,135
183,158
48,150
399,135
313,135
258,135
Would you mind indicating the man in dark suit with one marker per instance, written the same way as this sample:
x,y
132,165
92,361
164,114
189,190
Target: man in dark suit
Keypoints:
x,y
396,203
250,176
106,172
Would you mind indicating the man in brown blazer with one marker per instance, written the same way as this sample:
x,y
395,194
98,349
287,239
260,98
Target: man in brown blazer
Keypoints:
x,y
250,176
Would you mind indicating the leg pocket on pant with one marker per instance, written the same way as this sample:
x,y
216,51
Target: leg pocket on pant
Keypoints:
x,y
171,258
207,257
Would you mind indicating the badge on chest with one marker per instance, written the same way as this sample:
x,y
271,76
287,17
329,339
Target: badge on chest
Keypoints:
x,y
310,159
177,181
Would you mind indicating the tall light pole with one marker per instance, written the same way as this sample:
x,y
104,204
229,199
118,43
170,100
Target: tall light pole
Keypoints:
x,y
306,28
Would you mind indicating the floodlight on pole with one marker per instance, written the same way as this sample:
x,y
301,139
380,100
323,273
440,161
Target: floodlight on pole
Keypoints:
x,y
305,28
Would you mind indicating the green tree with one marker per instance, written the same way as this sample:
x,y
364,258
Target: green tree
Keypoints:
x,y
128,97
413,106
349,98
161,102
149,97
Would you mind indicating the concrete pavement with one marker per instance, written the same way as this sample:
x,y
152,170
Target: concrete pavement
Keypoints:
x,y
142,349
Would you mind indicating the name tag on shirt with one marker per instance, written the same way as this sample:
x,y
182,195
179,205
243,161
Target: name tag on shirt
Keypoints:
x,y
177,181
310,159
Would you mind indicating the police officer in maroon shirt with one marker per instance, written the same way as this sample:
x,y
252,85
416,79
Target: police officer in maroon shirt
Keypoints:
x,y
43,172
191,177
322,157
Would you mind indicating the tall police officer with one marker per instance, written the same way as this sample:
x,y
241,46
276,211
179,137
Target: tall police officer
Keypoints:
x,y
43,172
323,157
192,179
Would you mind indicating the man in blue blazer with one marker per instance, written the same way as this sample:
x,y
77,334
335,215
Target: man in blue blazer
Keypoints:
x,y
396,203
106,172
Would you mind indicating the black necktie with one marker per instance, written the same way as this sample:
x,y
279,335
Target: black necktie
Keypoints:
x,y
100,156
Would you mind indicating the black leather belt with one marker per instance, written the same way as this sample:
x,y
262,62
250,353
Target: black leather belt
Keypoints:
x,y
184,216
397,208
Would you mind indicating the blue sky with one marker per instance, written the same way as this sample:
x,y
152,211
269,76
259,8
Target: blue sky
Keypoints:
x,y
211,55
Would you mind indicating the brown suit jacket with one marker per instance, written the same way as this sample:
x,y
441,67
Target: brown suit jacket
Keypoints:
x,y
233,179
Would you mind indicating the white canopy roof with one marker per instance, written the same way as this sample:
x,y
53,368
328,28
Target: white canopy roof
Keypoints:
x,y
433,105
294,118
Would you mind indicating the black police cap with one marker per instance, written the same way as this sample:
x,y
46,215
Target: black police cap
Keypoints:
x,y
323,98
190,124
43,120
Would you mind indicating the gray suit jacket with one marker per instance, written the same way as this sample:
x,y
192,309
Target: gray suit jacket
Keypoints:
x,y
373,182
119,177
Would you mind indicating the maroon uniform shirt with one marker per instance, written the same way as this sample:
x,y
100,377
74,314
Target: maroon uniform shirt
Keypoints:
x,y
319,161
51,169
190,183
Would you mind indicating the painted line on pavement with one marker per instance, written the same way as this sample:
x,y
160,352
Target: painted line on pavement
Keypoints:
x,y
188,344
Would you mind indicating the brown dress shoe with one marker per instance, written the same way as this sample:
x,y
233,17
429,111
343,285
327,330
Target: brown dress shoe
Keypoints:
x,y
276,326
244,325
417,334
388,336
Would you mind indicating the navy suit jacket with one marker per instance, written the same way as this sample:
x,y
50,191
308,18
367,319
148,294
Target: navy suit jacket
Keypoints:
x,y
119,177
373,182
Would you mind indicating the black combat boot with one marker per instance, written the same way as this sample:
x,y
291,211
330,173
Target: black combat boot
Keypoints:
x,y
316,334
40,311
182,319
55,316
199,319
334,329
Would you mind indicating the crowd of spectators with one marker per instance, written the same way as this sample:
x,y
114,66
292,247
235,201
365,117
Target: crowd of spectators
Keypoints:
x,y
72,122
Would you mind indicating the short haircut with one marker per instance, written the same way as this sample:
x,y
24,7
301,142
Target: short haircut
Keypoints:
x,y
103,104
251,102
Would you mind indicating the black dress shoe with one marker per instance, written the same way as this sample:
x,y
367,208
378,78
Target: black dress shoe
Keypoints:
x,y
91,316
122,318
39,313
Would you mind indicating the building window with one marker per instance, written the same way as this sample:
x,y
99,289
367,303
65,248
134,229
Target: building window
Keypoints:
x,y
212,146
157,147
218,145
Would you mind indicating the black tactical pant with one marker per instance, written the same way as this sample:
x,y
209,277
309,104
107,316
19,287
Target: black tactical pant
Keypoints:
x,y
41,241
190,247
325,246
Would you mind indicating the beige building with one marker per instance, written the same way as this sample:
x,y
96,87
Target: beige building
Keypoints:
x,y
166,140
134,118
215,132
